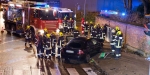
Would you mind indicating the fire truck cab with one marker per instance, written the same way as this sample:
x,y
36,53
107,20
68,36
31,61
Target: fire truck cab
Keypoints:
x,y
49,17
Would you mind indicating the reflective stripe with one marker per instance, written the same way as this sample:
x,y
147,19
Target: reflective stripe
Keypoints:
x,y
58,54
120,37
119,54
118,46
113,50
47,48
112,43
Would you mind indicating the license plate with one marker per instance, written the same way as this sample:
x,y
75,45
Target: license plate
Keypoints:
x,y
69,51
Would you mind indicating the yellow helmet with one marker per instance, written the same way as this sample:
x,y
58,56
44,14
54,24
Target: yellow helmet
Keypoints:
x,y
70,18
48,35
28,27
118,33
45,29
60,34
53,32
91,22
76,27
95,26
117,28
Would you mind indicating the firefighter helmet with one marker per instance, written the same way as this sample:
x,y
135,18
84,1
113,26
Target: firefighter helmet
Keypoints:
x,y
28,27
91,22
70,18
48,35
60,34
119,33
76,27
95,26
113,31
86,22
117,28
53,33
45,29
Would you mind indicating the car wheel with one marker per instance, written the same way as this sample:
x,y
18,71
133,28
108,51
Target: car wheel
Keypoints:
x,y
88,58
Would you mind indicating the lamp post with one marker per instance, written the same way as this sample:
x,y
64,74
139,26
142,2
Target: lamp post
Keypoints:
x,y
84,7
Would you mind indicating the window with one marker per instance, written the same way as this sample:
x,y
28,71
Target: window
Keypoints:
x,y
68,15
47,15
76,44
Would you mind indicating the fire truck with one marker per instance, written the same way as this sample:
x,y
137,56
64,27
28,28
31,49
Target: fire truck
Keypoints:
x,y
37,15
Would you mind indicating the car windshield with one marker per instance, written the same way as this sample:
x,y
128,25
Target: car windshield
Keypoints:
x,y
48,15
76,44
67,14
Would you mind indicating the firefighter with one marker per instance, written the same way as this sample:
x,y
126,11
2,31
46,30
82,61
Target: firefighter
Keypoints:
x,y
28,36
76,32
60,44
48,47
98,30
102,34
38,43
86,28
65,25
91,26
53,42
71,25
117,29
113,39
94,32
118,44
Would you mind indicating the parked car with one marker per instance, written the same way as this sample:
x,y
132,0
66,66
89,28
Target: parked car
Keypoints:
x,y
80,49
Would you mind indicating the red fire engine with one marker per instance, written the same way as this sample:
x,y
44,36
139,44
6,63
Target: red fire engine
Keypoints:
x,y
38,17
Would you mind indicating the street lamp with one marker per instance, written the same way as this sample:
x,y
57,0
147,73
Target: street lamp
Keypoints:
x,y
84,7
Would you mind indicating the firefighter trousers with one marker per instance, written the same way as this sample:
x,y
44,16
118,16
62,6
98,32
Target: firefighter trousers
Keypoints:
x,y
28,41
53,50
118,52
48,53
58,52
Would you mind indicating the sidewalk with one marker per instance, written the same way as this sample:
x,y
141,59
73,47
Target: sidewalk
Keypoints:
x,y
128,64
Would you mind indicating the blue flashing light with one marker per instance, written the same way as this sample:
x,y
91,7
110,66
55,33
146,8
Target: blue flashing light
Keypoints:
x,y
105,10
123,14
40,4
46,6
116,13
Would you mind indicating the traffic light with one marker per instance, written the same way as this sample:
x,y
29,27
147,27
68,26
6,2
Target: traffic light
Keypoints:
x,y
147,31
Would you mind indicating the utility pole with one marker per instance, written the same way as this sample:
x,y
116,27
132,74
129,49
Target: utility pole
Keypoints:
x,y
84,7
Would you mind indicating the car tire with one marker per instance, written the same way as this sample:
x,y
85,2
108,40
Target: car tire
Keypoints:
x,y
87,58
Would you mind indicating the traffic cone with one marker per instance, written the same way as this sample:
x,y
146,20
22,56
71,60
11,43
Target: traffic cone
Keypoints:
x,y
2,31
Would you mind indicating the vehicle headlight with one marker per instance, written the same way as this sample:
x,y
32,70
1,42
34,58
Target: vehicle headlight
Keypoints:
x,y
57,31
41,32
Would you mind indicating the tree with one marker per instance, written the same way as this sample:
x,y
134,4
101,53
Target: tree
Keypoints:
x,y
146,4
128,5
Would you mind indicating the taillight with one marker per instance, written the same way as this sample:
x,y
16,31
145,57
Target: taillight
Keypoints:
x,y
80,52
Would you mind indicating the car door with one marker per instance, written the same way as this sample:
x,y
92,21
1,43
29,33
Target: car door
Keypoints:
x,y
91,45
95,45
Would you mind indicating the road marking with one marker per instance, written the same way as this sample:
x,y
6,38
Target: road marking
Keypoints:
x,y
18,72
1,72
89,71
72,71
10,41
55,70
36,72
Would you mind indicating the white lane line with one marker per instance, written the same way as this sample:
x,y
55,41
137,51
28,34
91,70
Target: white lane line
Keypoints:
x,y
18,72
72,71
55,70
36,72
89,71
10,41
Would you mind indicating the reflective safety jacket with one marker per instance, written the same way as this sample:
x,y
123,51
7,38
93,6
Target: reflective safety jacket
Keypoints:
x,y
119,41
53,40
48,44
28,34
60,42
113,39
76,33
94,33
86,27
